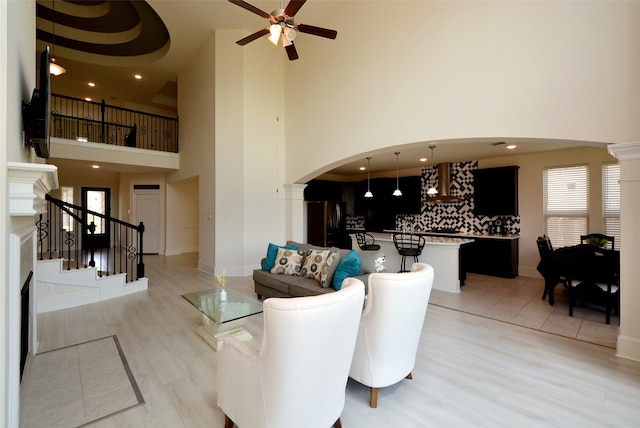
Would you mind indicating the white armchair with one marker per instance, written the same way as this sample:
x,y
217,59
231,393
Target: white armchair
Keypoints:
x,y
390,327
298,377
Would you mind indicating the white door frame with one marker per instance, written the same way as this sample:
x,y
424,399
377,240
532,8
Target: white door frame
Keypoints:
x,y
149,190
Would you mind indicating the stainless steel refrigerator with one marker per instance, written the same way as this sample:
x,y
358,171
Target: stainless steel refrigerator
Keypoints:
x,y
326,224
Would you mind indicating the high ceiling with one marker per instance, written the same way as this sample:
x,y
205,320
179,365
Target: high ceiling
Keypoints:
x,y
109,41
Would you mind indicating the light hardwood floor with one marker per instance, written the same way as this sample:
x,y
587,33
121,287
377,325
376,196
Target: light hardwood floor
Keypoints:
x,y
471,370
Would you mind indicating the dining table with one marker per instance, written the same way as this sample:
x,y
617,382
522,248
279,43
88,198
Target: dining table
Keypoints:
x,y
584,262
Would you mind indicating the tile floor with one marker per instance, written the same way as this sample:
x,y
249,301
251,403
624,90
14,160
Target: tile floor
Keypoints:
x,y
78,384
519,301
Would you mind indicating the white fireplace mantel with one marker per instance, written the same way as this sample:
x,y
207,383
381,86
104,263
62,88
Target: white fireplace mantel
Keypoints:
x,y
28,183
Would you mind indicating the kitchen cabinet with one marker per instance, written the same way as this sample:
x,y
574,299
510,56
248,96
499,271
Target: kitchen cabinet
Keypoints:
x,y
491,256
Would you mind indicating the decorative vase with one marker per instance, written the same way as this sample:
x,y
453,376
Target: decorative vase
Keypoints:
x,y
223,295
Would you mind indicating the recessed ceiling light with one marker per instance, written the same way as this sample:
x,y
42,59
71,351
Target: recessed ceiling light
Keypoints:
x,y
91,84
423,159
137,76
95,166
82,139
362,168
511,146
87,99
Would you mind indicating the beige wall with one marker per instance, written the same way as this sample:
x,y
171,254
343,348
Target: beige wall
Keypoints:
x,y
558,70
196,104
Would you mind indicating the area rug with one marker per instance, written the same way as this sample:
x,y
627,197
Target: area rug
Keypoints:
x,y
78,385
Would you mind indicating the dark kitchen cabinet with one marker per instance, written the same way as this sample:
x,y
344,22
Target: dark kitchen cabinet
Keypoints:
x,y
491,256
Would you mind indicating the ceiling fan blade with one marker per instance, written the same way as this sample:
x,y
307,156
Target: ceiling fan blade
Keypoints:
x,y
251,8
292,53
317,31
252,37
293,7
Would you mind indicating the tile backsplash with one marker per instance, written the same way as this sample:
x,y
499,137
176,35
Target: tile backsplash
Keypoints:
x,y
456,215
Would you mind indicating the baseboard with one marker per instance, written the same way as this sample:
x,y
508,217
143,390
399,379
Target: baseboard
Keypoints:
x,y
628,347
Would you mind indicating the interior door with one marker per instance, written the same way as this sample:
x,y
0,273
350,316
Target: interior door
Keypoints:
x,y
96,199
146,203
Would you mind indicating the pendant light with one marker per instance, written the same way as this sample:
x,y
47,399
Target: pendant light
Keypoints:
x,y
368,193
432,190
54,68
397,192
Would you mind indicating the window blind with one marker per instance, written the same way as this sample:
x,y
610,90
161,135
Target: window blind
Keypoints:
x,y
566,204
611,201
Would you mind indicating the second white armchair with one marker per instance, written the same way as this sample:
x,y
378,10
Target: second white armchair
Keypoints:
x,y
390,327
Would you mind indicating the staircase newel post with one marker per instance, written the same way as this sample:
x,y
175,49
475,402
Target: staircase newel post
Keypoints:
x,y
140,261
92,229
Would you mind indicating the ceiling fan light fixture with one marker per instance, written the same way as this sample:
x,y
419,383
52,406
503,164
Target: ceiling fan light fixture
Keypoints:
x,y
275,30
55,68
290,34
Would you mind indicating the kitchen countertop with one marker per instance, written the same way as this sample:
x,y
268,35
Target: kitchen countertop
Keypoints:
x,y
430,240
457,235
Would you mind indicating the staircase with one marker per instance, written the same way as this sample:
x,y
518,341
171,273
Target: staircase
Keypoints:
x,y
74,267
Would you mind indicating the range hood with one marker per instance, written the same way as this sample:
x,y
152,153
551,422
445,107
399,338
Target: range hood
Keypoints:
x,y
444,185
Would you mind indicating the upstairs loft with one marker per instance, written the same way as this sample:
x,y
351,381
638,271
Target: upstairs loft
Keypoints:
x,y
96,131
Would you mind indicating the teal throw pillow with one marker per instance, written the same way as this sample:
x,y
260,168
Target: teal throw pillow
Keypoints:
x,y
349,266
272,251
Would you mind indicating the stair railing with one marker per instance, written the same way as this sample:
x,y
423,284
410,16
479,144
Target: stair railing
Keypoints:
x,y
67,234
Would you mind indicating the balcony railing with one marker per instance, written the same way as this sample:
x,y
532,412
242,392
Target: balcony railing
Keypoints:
x,y
97,122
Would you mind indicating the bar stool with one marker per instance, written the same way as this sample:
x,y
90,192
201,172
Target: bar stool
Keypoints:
x,y
367,242
408,245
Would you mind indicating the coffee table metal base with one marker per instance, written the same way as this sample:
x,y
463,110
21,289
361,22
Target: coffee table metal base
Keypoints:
x,y
214,334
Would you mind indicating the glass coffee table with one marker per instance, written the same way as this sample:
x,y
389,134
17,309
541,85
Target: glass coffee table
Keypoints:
x,y
223,317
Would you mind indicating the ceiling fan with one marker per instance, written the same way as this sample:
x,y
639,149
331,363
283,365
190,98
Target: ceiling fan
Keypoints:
x,y
282,26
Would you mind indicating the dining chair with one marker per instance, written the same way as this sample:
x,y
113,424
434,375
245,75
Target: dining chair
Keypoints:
x,y
599,279
546,249
367,242
599,240
408,245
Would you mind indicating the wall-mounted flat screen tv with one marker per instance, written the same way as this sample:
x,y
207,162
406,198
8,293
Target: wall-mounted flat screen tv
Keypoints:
x,y
36,115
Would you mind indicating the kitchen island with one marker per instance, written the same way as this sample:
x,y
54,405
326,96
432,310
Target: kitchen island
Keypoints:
x,y
441,252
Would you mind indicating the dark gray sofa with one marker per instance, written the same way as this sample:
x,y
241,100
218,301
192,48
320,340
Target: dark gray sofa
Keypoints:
x,y
267,284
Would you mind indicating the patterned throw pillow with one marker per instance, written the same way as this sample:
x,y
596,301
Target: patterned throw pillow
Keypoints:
x,y
327,274
314,264
288,262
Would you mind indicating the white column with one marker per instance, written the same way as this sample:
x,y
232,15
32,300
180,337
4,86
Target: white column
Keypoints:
x,y
628,155
295,221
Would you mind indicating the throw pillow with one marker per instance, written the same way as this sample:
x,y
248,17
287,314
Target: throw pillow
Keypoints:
x,y
349,266
272,251
368,261
332,264
288,262
315,263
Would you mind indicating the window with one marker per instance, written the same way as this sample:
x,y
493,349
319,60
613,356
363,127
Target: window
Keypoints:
x,y
611,201
566,204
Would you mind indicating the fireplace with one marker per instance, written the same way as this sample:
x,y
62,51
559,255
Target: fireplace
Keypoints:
x,y
25,301
28,183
